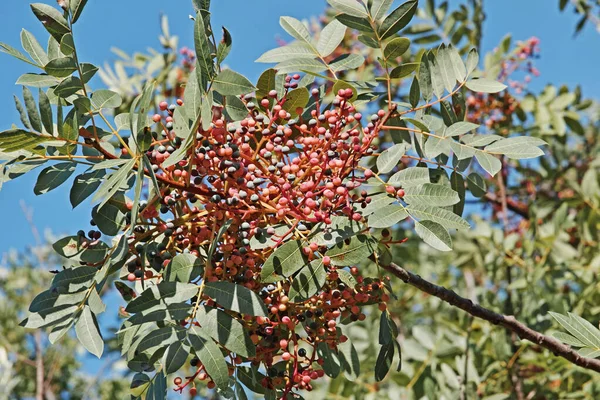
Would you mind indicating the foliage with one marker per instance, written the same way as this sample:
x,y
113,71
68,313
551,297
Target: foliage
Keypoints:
x,y
31,367
247,222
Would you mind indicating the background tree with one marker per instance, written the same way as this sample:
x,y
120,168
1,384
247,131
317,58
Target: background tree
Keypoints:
x,y
31,367
219,155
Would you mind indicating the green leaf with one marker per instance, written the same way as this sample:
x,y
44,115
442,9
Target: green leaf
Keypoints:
x,y
68,87
235,108
266,83
460,72
158,338
446,218
346,62
229,82
262,240
15,53
521,147
350,7
76,9
204,53
331,36
236,298
360,24
45,112
369,41
485,85
61,67
414,93
476,184
457,183
33,48
95,302
431,194
210,356
52,177
460,128
32,110
331,362
226,330
297,98
55,316
167,292
388,330
341,228
109,219
37,80
397,19
488,162
161,312
300,65
446,69
462,152
285,261
217,239
390,157
308,281
224,46
425,79
472,61
359,248
396,47
387,216
384,361
346,277
175,357
295,28
436,146
340,84
590,353
435,69
292,50
580,328
251,378
349,360
44,302
84,185
115,181
412,176
184,268
158,387
568,339
70,247
88,332
434,235
105,99
88,71
379,8
52,19
67,46
403,70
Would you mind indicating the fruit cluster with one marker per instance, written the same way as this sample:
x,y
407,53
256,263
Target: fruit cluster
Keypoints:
x,y
274,168
497,109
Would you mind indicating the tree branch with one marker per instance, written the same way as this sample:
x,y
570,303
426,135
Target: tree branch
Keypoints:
x,y
507,321
39,370
511,204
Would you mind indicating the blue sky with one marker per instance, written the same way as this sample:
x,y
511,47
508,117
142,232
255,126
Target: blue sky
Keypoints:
x,y
134,25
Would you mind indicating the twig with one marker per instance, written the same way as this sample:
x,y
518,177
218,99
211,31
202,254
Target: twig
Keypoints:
x,y
507,321
39,366
511,204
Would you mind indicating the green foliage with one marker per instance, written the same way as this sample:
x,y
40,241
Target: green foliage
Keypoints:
x,y
186,300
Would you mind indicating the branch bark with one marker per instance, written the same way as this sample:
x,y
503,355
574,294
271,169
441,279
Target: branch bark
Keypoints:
x,y
507,321
511,204
39,371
